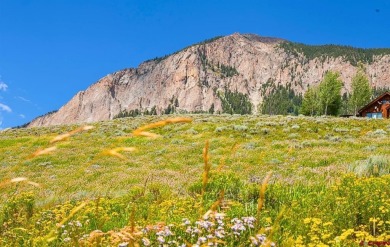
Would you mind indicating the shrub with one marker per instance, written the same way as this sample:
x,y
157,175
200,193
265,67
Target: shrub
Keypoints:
x,y
341,130
220,129
335,138
250,145
306,143
265,131
240,127
356,129
373,166
261,124
294,136
370,148
192,131
295,127
377,133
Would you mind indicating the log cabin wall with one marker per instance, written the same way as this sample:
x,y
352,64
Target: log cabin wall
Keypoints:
x,y
378,108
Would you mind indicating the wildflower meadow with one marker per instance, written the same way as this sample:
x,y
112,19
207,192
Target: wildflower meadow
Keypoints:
x,y
197,180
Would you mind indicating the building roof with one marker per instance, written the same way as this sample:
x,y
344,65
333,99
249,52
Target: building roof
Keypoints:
x,y
374,101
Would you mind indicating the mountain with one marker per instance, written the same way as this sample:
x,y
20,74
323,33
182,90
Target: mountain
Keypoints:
x,y
210,75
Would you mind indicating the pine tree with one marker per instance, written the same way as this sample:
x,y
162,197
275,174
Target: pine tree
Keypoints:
x,y
281,101
234,102
211,110
153,111
345,104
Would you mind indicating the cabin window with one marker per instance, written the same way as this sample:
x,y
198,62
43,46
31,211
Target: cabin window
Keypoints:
x,y
374,115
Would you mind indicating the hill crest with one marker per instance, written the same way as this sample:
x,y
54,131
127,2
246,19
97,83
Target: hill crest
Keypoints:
x,y
199,77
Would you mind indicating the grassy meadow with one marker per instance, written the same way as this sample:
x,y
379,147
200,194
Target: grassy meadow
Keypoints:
x,y
218,180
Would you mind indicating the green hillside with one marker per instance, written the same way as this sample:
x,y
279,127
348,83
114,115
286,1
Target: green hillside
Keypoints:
x,y
330,182
351,54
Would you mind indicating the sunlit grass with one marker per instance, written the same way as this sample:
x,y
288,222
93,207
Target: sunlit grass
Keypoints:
x,y
167,169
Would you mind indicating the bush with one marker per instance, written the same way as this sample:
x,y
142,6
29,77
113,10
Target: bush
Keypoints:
x,y
295,127
220,129
240,127
377,133
265,131
373,166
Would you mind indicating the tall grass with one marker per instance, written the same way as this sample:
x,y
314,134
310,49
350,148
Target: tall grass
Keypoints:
x,y
163,184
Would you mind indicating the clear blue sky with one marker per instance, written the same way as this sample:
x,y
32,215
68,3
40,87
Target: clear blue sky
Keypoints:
x,y
50,50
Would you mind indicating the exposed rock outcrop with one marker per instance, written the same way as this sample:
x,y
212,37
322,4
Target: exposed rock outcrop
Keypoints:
x,y
194,76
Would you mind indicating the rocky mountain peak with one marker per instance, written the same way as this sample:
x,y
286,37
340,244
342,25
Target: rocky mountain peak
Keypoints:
x,y
206,76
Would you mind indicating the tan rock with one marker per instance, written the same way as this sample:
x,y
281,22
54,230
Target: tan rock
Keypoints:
x,y
184,76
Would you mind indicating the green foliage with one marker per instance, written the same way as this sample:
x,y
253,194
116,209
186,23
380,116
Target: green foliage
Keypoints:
x,y
377,91
130,113
281,101
317,200
152,111
350,54
227,71
17,209
170,109
310,102
330,93
227,182
137,112
235,102
221,69
203,59
14,217
211,110
361,91
346,108
174,103
377,165
269,84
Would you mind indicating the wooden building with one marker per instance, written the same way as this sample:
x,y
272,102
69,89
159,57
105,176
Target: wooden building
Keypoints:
x,y
378,108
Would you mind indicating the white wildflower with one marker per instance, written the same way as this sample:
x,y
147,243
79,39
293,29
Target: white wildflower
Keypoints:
x,y
186,222
202,240
146,241
161,239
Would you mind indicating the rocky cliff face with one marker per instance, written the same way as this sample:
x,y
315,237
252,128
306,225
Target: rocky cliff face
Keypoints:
x,y
194,77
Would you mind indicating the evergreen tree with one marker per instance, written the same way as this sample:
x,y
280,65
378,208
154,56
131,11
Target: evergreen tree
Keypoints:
x,y
376,91
330,93
235,102
346,104
310,103
281,101
361,90
170,109
211,110
153,111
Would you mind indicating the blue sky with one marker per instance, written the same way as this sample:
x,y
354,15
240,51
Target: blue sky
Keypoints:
x,y
50,50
